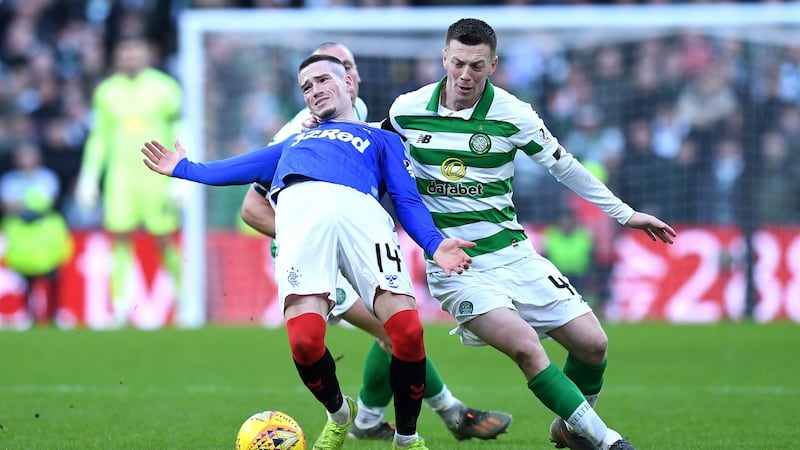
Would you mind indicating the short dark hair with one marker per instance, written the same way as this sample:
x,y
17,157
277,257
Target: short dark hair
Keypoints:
x,y
326,45
472,32
317,58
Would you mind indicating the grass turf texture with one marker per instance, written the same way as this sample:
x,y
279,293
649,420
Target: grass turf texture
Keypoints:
x,y
726,386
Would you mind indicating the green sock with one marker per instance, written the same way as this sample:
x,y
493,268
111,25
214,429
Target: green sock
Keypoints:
x,y
556,391
433,382
375,389
588,377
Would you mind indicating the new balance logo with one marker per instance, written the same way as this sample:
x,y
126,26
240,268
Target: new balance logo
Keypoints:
x,y
424,138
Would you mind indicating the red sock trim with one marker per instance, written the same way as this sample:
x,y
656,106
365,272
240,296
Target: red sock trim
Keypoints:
x,y
405,331
306,338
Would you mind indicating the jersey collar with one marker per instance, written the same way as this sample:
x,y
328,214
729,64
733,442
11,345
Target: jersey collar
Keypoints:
x,y
481,108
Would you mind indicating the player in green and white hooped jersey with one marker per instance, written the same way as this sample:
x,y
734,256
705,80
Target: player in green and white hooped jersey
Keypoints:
x,y
462,134
376,393
135,104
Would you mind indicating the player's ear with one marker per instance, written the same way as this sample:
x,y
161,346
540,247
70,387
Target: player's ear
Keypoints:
x,y
493,65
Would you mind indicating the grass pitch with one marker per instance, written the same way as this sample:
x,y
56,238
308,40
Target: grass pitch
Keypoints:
x,y
727,386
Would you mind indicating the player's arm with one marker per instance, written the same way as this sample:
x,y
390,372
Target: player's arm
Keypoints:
x,y
257,165
257,211
415,218
571,173
95,150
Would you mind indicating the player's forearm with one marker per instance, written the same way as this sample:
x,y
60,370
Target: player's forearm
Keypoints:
x,y
417,222
258,213
94,155
575,176
258,165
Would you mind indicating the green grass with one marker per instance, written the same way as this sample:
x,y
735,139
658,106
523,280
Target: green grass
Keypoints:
x,y
728,386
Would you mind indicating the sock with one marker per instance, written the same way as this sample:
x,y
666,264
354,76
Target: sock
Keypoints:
x,y
121,268
446,406
404,440
588,377
341,415
313,360
556,391
434,385
560,394
442,401
369,416
407,369
375,389
320,379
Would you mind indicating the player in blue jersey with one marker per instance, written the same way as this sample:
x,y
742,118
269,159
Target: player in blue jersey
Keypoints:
x,y
463,133
375,394
325,185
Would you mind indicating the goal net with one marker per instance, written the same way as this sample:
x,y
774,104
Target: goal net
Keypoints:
x,y
690,112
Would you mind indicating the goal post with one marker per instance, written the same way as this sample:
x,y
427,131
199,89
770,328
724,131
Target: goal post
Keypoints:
x,y
238,67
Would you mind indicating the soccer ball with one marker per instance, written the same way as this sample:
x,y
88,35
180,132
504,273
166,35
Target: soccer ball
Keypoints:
x,y
270,430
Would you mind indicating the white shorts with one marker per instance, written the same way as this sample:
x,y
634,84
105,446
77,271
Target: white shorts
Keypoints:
x,y
532,286
322,228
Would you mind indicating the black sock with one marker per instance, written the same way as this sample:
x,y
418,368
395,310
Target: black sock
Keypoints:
x,y
320,379
408,386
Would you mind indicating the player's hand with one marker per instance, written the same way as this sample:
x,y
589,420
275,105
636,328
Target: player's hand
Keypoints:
x,y
450,255
310,122
87,192
160,159
653,226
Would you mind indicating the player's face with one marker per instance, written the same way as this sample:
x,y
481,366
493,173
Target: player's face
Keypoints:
x,y
467,67
327,89
344,55
132,57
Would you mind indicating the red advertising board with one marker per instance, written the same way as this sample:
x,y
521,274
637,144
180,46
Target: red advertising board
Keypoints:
x,y
699,279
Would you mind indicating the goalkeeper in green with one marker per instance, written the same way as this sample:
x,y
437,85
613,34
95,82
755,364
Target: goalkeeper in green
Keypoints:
x,y
376,394
134,104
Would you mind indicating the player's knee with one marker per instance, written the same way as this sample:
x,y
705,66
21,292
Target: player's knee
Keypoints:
x,y
596,350
306,338
405,332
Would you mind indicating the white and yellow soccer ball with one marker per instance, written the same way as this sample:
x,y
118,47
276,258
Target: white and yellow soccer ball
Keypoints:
x,y
270,430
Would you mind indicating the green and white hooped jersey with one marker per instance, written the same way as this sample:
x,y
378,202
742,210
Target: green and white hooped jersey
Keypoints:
x,y
464,164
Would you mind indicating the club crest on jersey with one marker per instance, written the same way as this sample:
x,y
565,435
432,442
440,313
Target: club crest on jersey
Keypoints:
x,y
465,308
480,143
358,143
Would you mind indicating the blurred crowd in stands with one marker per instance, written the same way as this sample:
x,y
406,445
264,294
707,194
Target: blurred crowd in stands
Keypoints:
x,y
693,128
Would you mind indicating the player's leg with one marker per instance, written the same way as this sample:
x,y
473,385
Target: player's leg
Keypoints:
x,y
122,260
488,311
585,365
504,330
376,393
305,326
161,218
121,217
587,344
408,365
305,280
383,278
